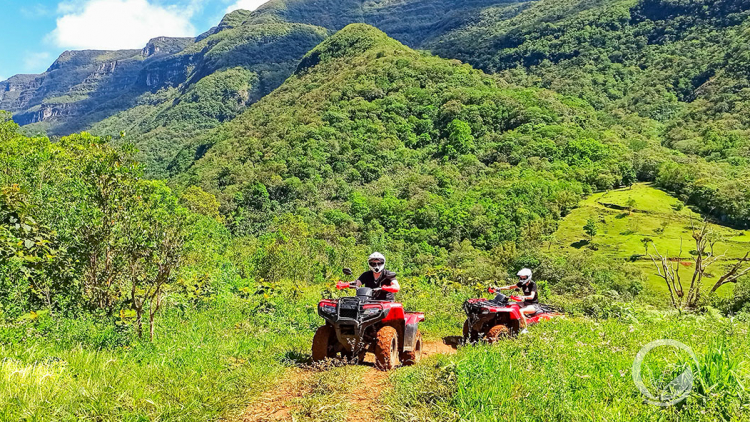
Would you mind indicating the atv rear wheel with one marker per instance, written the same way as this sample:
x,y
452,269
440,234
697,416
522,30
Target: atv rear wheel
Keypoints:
x,y
321,347
497,332
386,349
413,357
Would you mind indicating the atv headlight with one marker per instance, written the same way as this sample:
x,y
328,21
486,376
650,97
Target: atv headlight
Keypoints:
x,y
368,312
328,309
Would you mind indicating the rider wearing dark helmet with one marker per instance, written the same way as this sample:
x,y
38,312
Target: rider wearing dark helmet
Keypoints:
x,y
379,277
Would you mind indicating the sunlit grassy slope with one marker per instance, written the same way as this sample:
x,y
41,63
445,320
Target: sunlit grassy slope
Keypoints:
x,y
652,214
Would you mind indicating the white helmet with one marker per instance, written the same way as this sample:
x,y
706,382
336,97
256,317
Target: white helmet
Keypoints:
x,y
524,275
376,261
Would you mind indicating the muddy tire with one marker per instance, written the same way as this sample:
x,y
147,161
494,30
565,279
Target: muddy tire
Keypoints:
x,y
497,333
321,347
386,349
413,357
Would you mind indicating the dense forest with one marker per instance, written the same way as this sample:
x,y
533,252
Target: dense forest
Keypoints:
x,y
413,150
167,263
677,63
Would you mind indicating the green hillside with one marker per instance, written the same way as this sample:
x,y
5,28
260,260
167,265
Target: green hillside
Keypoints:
x,y
380,141
627,217
674,62
176,89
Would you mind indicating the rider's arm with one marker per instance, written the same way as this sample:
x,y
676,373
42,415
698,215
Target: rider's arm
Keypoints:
x,y
511,287
529,297
393,287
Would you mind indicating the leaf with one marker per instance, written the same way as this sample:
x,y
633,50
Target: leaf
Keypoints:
x,y
28,243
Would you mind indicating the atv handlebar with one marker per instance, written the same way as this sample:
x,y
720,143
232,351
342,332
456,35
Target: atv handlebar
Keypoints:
x,y
341,285
516,298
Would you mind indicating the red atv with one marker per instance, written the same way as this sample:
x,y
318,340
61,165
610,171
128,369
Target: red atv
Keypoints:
x,y
500,317
358,324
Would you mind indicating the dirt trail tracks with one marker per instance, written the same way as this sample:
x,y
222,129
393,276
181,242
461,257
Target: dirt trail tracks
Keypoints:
x,y
310,394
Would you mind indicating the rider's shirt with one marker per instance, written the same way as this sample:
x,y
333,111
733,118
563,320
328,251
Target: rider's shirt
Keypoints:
x,y
527,288
386,278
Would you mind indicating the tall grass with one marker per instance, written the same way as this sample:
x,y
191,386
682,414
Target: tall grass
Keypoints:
x,y
204,364
575,370
207,361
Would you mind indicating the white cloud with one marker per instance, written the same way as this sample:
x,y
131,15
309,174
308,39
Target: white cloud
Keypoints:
x,y
118,24
36,62
246,4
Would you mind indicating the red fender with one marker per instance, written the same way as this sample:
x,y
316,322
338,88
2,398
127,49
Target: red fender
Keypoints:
x,y
414,318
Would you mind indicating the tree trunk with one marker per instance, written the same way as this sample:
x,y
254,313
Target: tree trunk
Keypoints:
x,y
139,321
151,325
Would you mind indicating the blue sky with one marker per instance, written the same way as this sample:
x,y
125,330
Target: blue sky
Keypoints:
x,y
35,32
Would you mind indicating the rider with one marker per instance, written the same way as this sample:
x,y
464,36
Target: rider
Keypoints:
x,y
530,296
379,277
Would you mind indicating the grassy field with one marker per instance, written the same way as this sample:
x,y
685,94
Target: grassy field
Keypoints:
x,y
626,217
581,370
205,364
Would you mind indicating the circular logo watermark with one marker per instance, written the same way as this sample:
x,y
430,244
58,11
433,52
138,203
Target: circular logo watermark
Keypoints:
x,y
678,389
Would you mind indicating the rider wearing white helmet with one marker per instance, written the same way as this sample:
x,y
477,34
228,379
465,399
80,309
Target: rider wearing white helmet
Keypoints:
x,y
530,296
379,277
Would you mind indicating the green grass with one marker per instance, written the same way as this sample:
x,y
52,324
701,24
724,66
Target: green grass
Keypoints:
x,y
206,363
655,215
203,365
578,370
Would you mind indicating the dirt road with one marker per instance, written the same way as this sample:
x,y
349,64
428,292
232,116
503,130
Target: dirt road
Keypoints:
x,y
305,394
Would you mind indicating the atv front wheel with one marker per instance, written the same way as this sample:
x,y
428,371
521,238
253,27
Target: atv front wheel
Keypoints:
x,y
386,349
413,357
321,347
469,334
497,332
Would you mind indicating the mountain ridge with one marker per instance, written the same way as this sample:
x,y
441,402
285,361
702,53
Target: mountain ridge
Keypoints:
x,y
43,110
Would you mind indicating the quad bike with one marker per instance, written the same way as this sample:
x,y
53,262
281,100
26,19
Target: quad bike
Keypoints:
x,y
358,324
500,317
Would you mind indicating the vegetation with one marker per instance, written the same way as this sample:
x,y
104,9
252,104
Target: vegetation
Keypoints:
x,y
425,165
667,61
657,223
460,177
235,67
580,370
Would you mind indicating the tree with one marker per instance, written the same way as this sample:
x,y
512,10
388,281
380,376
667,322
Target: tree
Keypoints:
x,y
669,269
460,139
30,253
646,241
155,236
631,205
199,201
590,228
733,274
